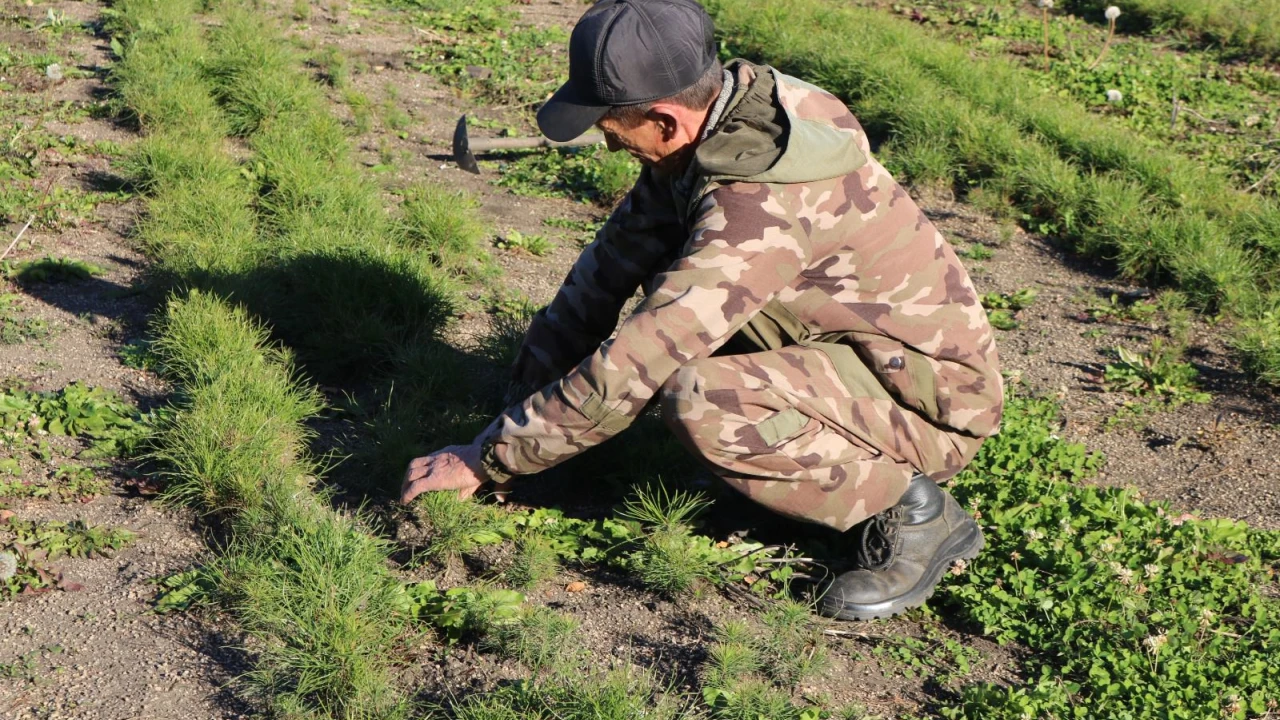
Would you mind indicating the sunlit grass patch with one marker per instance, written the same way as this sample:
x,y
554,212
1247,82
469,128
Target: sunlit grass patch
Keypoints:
x,y
589,174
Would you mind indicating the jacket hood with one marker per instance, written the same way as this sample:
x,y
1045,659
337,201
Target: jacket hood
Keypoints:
x,y
760,138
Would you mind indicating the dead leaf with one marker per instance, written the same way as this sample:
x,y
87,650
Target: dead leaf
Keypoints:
x,y
722,544
72,587
576,586
749,579
5,515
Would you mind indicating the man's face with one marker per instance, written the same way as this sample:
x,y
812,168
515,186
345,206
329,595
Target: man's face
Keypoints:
x,y
644,141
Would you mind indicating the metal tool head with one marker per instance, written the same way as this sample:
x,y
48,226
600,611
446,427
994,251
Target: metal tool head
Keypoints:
x,y
462,148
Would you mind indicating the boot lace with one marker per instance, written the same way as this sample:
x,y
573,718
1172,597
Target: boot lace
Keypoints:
x,y
878,541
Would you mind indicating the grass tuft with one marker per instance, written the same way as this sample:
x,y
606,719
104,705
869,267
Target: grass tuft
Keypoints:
x,y
541,639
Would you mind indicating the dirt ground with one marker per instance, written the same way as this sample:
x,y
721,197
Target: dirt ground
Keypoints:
x,y
101,653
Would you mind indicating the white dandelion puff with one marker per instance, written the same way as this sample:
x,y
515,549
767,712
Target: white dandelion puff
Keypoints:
x,y
1112,13
1044,4
54,72
1155,642
8,565
1115,97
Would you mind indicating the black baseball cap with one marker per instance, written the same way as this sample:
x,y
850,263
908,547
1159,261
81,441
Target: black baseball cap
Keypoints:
x,y
624,52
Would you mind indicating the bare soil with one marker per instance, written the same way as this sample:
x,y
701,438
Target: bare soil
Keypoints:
x,y
99,652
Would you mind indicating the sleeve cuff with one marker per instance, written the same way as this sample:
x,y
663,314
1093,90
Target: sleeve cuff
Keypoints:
x,y
494,470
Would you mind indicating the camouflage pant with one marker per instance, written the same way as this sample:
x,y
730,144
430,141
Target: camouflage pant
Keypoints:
x,y
808,432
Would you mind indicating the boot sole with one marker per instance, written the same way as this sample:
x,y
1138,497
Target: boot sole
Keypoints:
x,y
963,544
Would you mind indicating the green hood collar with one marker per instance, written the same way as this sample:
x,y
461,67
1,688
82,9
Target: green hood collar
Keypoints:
x,y
760,140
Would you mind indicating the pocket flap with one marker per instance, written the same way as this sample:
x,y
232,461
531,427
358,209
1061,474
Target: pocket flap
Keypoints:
x,y
782,426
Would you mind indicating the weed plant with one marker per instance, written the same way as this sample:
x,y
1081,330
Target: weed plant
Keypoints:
x,y
536,245
502,66
55,270
1156,373
27,545
589,174
1134,600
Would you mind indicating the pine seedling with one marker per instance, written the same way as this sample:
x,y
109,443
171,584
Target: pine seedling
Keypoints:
x,y
670,559
540,638
535,561
455,525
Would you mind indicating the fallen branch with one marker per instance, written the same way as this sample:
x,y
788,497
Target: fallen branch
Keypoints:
x,y
21,232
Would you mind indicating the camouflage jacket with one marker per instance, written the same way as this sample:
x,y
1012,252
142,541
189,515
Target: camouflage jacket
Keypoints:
x,y
783,229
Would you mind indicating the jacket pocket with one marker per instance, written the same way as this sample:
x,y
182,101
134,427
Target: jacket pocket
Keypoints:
x,y
908,374
782,426
604,418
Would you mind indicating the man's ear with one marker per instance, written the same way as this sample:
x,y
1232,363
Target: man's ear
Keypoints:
x,y
667,122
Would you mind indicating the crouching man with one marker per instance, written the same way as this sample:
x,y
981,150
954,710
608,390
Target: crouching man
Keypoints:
x,y
805,329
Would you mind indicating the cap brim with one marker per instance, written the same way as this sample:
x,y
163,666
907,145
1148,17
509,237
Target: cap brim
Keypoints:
x,y
568,114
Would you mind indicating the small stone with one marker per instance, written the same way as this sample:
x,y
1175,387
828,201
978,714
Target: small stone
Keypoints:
x,y
479,73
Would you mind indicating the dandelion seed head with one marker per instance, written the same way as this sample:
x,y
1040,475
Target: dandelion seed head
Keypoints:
x,y
8,565
1155,642
1044,4
54,71
1115,97
1112,13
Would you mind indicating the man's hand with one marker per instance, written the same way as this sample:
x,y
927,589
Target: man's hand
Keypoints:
x,y
456,467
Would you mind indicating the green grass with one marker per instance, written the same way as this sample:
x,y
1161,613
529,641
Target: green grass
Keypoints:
x,y
310,585
534,563
588,174
444,224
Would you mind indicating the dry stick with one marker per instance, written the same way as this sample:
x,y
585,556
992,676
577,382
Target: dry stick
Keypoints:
x,y
1110,34
43,201
21,232
1271,170
1044,19
1173,120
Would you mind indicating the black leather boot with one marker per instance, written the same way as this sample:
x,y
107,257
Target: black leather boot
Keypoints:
x,y
902,553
